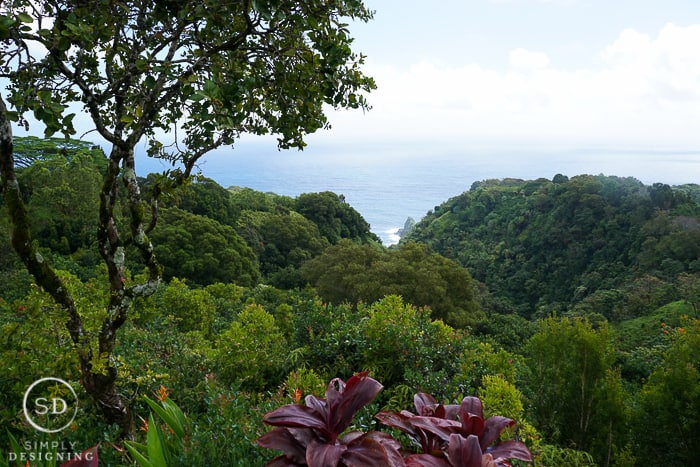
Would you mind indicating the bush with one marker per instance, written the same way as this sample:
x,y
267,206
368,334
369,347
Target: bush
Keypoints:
x,y
252,351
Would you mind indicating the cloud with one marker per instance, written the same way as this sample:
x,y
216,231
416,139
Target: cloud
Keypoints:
x,y
646,91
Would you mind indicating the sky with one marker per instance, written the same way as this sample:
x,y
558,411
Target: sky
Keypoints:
x,y
540,73
545,75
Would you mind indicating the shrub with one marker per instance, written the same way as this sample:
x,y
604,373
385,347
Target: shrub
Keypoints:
x,y
252,350
313,433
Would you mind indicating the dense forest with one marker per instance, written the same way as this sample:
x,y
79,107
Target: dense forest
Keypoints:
x,y
568,305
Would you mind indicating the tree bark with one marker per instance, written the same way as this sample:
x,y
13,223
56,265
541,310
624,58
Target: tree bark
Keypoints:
x,y
100,386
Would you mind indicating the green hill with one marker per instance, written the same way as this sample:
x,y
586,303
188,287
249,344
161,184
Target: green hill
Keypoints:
x,y
562,244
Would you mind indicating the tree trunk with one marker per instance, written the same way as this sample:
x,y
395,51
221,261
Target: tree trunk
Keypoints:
x,y
101,387
111,403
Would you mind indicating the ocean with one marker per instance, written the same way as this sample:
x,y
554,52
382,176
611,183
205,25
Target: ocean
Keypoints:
x,y
388,185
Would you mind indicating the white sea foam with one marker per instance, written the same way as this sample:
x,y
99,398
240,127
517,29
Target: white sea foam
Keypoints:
x,y
391,236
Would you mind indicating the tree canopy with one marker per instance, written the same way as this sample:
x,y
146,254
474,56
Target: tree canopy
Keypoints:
x,y
185,76
543,245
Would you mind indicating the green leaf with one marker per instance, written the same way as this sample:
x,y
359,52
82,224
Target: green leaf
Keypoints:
x,y
25,18
211,89
15,447
138,457
168,417
126,119
155,443
149,82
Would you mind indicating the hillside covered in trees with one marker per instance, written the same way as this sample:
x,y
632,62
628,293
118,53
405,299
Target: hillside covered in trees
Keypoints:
x,y
569,305
599,244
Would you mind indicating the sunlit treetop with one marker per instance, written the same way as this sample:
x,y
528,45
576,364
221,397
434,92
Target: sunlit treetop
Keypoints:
x,y
203,72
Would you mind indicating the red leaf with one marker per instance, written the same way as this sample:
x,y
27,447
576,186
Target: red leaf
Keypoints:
x,y
510,449
368,451
400,421
425,460
291,441
464,452
294,415
359,391
473,406
87,458
438,427
318,404
472,424
451,411
424,403
492,430
323,454
390,445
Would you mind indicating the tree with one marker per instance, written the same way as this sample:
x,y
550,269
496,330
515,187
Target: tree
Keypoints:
x,y
666,428
204,72
577,397
348,272
335,218
202,250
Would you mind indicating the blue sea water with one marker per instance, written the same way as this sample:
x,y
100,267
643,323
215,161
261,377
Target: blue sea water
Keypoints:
x,y
388,185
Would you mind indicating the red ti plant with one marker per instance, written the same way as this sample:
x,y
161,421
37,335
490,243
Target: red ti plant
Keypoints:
x,y
448,442
313,434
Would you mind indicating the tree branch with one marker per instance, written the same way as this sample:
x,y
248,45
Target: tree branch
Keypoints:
x,y
22,241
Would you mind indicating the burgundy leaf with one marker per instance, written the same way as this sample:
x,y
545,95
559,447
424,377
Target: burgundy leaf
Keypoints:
x,y
424,403
472,424
425,460
294,415
464,452
319,405
510,449
87,458
348,438
404,422
492,430
324,454
366,451
473,406
359,391
334,390
398,420
438,427
284,440
451,411
390,445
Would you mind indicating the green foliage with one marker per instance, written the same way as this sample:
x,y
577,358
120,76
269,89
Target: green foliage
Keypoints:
x,y
553,455
404,344
282,243
161,446
334,217
205,197
63,194
501,397
302,382
202,250
252,351
666,426
541,245
577,400
351,272
224,432
193,309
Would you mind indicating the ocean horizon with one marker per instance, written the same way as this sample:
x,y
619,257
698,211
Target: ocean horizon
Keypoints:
x,y
388,186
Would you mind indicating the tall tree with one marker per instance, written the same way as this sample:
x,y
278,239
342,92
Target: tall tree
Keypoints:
x,y
200,73
577,396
